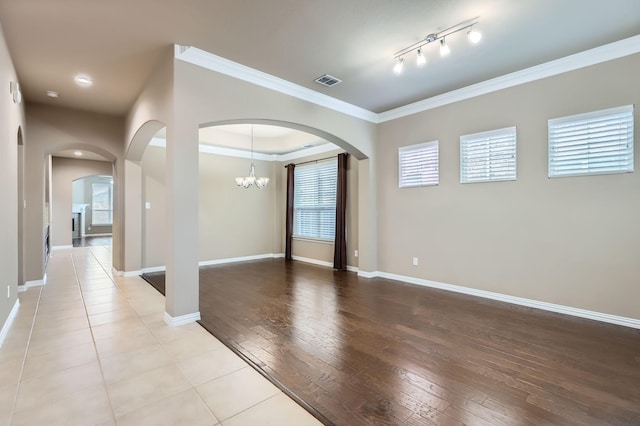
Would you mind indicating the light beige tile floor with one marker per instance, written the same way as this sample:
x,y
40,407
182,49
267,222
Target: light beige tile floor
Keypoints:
x,y
91,349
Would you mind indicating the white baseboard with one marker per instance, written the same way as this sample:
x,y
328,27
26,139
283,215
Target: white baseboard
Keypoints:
x,y
182,319
9,321
30,284
203,263
312,261
97,235
241,259
125,274
154,269
321,263
567,310
54,248
367,274
245,259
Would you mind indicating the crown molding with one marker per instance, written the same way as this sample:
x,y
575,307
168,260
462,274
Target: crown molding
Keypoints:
x,y
219,64
230,152
608,52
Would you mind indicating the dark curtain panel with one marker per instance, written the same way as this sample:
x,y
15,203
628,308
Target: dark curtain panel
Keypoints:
x,y
340,248
289,226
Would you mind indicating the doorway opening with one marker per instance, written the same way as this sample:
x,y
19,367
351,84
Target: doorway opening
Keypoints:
x,y
92,211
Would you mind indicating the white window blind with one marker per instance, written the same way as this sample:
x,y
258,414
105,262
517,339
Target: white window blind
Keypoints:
x,y
488,156
418,165
314,200
101,204
593,143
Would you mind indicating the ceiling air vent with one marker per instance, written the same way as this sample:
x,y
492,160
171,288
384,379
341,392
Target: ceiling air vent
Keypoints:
x,y
327,80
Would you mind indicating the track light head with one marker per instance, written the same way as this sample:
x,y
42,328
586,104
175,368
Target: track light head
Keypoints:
x,y
421,60
444,49
399,66
474,36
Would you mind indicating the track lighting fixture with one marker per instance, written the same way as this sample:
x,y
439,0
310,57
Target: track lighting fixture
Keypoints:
x,y
474,37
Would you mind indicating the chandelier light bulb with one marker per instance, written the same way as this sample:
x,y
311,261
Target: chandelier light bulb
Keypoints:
x,y
444,49
399,66
474,36
421,60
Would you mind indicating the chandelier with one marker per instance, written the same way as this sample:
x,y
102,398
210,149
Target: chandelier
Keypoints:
x,y
247,181
473,35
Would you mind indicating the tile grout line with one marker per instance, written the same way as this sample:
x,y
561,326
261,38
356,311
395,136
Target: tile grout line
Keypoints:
x,y
93,339
24,358
173,361
255,405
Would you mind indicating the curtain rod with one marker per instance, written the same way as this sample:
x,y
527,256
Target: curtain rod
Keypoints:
x,y
313,161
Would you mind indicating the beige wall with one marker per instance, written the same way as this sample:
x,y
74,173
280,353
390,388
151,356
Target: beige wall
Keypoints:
x,y
11,119
64,171
571,241
54,129
154,219
233,222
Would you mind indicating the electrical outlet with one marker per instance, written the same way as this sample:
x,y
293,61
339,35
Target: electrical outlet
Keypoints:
x,y
355,253
147,205
415,261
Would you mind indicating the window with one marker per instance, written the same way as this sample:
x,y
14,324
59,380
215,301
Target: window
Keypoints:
x,y
488,156
593,143
418,165
314,209
101,204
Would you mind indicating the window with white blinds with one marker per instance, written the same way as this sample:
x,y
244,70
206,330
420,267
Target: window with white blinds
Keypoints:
x,y
488,156
598,142
418,165
314,200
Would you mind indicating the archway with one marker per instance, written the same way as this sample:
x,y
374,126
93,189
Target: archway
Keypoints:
x,y
132,185
68,164
351,149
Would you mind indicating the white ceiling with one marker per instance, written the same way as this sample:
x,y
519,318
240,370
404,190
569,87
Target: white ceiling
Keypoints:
x,y
118,42
86,155
266,139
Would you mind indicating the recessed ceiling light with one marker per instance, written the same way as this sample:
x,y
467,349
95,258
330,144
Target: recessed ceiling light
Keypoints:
x,y
53,94
83,80
77,153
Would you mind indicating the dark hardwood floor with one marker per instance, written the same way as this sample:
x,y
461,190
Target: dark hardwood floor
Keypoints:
x,y
88,241
373,351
